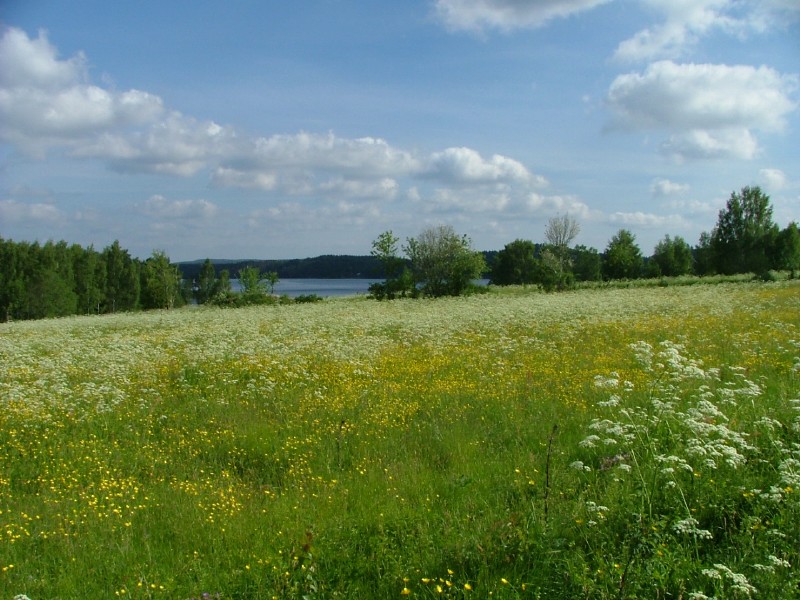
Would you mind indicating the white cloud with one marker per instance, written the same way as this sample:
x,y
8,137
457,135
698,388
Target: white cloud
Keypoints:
x,y
712,108
685,22
160,207
468,166
176,145
384,189
366,156
45,101
648,220
476,15
774,179
737,143
48,102
665,187
570,205
12,211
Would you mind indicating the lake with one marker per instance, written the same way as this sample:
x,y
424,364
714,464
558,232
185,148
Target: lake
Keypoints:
x,y
320,287
324,287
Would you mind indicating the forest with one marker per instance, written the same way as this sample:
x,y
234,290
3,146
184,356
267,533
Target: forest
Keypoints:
x,y
58,279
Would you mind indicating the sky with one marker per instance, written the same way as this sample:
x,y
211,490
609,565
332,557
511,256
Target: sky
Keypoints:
x,y
272,129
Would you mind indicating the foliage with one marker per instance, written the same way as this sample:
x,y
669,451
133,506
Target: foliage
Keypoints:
x,y
516,264
122,279
442,262
673,257
622,258
559,233
586,264
789,249
326,450
399,281
162,282
744,239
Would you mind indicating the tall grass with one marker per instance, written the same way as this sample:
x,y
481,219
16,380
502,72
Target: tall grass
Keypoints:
x,y
611,443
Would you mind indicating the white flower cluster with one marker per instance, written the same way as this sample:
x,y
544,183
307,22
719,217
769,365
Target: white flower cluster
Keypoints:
x,y
738,582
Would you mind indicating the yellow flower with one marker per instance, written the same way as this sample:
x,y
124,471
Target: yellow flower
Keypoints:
x,y
405,592
504,581
467,587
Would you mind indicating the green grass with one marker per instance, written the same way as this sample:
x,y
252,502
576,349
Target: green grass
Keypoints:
x,y
605,443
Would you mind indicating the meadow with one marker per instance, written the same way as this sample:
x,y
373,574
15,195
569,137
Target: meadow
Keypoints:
x,y
607,443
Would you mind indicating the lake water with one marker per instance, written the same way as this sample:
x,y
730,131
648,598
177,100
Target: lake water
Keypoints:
x,y
321,287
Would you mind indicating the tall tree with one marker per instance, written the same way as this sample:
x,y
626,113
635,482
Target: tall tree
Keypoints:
x,y
162,281
399,281
90,276
559,233
623,258
12,282
789,249
207,283
122,279
516,264
745,236
586,264
444,262
673,256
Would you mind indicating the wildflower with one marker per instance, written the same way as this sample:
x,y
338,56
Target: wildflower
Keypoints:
x,y
468,587
405,592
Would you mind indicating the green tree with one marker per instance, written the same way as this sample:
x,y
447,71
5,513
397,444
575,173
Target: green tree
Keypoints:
x,y
673,256
12,282
703,255
789,249
207,283
399,281
271,279
745,236
443,263
122,279
559,233
90,278
253,283
622,258
162,281
586,264
516,264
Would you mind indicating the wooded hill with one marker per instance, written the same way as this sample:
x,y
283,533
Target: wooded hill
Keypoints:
x,y
319,267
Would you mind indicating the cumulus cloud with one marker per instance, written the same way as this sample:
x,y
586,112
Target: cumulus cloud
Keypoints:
x,y
712,108
685,22
648,220
176,145
477,15
45,101
774,179
48,102
12,211
664,187
571,205
160,207
464,165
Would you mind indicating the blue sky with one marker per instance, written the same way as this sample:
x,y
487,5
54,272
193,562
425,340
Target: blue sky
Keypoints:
x,y
271,129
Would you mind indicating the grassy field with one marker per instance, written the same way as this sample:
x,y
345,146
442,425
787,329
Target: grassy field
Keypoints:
x,y
617,443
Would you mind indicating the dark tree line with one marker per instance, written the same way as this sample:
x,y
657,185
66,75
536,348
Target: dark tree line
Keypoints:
x,y
56,279
744,240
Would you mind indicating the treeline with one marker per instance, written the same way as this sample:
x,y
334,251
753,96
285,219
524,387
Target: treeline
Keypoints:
x,y
327,266
745,239
58,279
